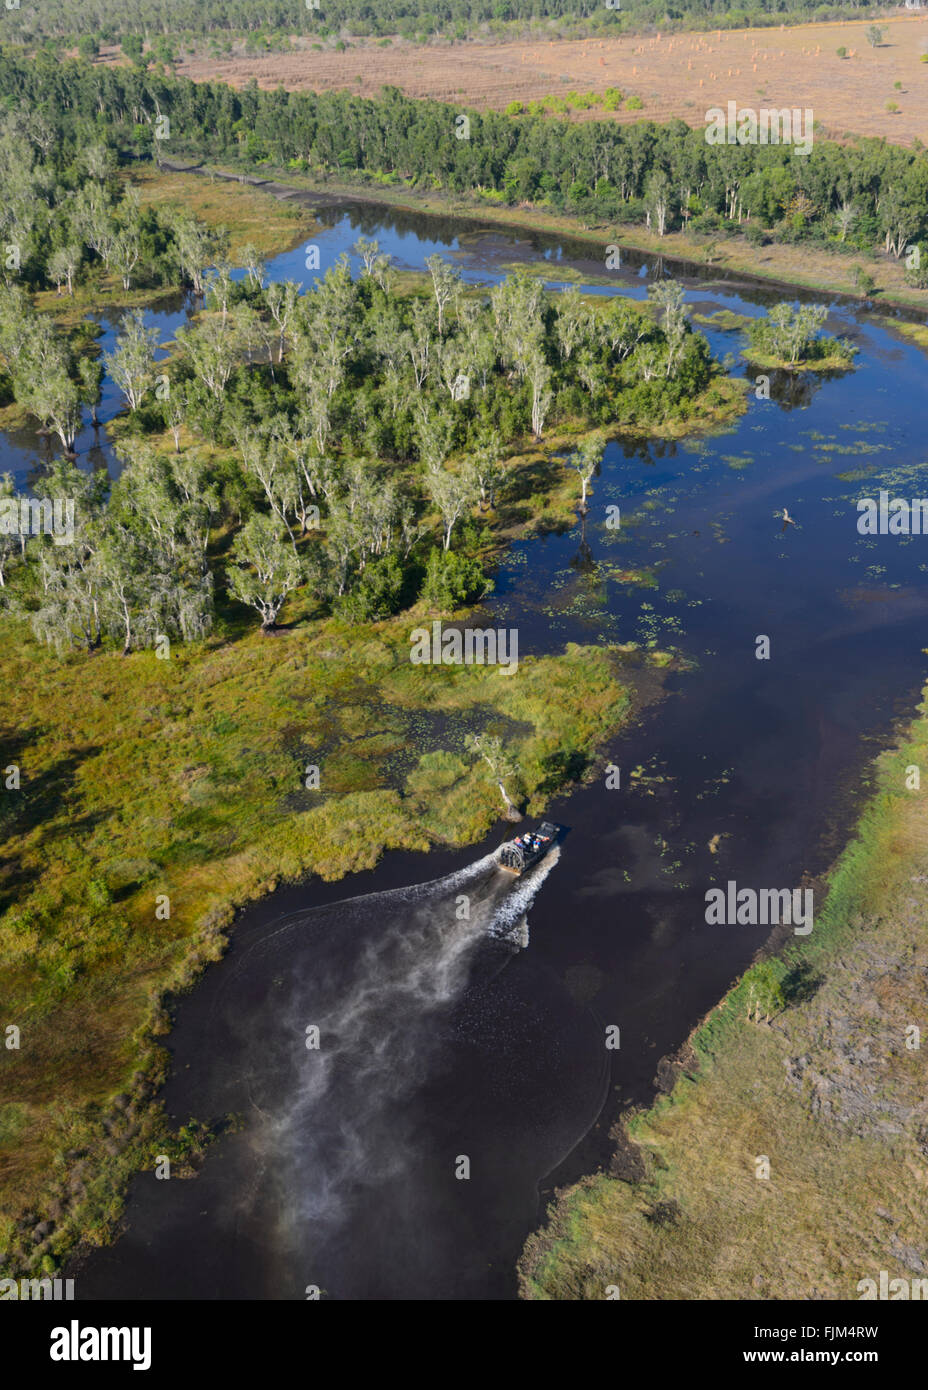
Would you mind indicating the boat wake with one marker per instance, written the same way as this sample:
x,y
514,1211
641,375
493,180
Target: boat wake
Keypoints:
x,y
335,1064
374,1053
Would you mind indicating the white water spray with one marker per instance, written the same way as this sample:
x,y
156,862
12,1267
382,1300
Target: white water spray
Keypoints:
x,y
339,1128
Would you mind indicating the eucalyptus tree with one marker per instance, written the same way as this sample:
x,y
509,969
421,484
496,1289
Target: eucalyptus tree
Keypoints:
x,y
622,327
176,409
17,323
145,594
319,470
247,331
265,459
71,586
435,430
324,338
121,562
845,217
899,217
92,217
452,494
281,298
669,295
212,347
99,161
573,322
264,569
658,200
586,459
418,342
331,306
592,373
60,270
12,541
27,187
476,336
219,287
455,363
46,389
254,266
787,332
90,382
132,362
294,477
169,501
382,271
446,287
70,609
196,245
484,467
368,251
372,506
518,305
126,248
539,377
341,545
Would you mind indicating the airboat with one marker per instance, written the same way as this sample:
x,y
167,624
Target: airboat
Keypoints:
x,y
528,848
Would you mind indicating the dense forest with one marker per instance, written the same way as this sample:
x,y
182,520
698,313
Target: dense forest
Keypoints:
x,y
852,196
108,21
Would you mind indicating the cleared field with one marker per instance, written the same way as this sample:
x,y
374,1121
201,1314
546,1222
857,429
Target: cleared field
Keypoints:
x,y
674,75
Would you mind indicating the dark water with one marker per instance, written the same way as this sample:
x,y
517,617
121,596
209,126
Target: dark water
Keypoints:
x,y
442,1038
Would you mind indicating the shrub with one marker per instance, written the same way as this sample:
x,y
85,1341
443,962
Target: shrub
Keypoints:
x,y
864,280
376,594
452,580
98,894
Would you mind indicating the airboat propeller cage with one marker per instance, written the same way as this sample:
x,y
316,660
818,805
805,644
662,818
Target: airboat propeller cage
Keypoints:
x,y
512,857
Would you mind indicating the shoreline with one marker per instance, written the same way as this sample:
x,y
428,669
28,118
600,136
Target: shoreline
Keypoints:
x,y
680,248
720,1098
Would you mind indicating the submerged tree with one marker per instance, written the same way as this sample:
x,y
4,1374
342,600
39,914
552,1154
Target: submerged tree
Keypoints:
x,y
786,332
586,458
132,363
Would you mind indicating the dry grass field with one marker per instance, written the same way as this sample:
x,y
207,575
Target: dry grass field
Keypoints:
x,y
674,75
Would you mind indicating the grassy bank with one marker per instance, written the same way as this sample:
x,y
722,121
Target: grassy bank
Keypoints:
x,y
830,1090
250,215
